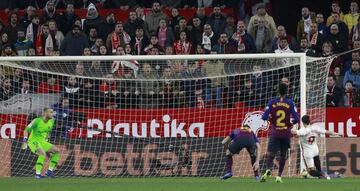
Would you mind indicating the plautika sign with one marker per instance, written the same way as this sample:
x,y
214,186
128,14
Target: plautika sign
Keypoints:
x,y
181,122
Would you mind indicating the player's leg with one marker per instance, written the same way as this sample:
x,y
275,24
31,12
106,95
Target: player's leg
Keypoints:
x,y
273,147
36,148
251,148
284,147
234,148
54,153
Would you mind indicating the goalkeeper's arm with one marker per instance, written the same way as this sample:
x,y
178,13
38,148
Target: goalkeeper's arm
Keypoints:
x,y
26,135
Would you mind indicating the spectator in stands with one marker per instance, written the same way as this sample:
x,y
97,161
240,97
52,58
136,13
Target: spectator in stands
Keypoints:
x,y
175,17
339,42
107,26
123,5
353,75
96,69
262,36
50,86
6,89
281,32
349,94
8,50
335,8
117,38
316,39
356,44
243,42
223,46
67,19
50,12
16,80
192,91
139,42
230,27
29,14
12,27
165,34
62,114
304,46
209,38
89,96
189,4
25,87
93,35
140,13
183,46
31,52
215,86
343,29
261,82
93,19
200,13
181,27
133,23
322,28
129,92
204,3
109,89
169,89
333,93
352,17
4,40
246,93
153,44
304,25
74,43
196,32
87,52
283,46
262,14
149,90
347,64
95,47
71,91
22,44
55,38
338,76
103,51
152,19
217,21
33,29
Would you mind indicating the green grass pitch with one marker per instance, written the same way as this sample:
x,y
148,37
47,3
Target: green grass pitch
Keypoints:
x,y
176,184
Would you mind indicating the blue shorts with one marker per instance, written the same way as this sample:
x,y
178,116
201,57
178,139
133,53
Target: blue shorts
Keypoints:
x,y
278,144
243,142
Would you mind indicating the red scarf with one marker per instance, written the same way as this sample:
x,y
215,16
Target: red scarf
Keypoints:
x,y
349,101
138,45
115,42
314,38
181,47
200,102
241,41
39,43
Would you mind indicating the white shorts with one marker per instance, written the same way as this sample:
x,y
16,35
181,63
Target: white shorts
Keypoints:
x,y
308,155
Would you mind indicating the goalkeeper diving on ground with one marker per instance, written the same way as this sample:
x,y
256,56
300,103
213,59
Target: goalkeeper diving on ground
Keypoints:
x,y
39,130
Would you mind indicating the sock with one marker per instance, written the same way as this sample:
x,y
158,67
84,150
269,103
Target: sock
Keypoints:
x,y
281,165
39,164
229,163
317,163
315,173
53,161
269,161
253,160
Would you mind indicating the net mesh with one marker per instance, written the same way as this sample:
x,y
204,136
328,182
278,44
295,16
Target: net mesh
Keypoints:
x,y
149,118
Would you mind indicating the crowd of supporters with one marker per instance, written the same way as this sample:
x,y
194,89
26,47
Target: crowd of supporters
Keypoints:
x,y
54,33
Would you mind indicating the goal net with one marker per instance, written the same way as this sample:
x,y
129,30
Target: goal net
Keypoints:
x,y
132,116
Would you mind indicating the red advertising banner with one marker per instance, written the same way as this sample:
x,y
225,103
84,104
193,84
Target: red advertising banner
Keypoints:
x,y
179,122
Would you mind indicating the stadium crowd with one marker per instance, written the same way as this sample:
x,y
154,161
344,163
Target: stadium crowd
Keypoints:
x,y
64,33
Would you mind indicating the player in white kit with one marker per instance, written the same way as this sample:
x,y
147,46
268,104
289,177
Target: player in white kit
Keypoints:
x,y
308,143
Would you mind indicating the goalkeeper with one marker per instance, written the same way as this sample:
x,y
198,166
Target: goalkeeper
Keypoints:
x,y
39,130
